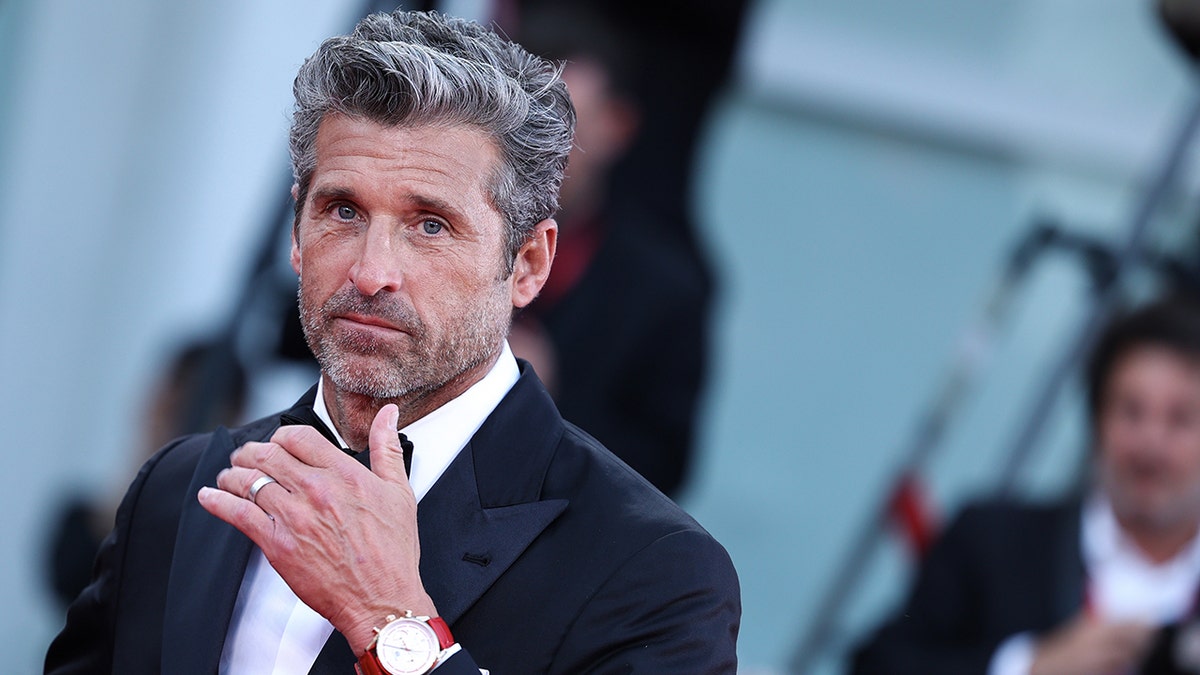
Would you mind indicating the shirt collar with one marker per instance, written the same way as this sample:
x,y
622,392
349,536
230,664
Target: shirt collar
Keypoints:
x,y
1100,533
1123,584
439,436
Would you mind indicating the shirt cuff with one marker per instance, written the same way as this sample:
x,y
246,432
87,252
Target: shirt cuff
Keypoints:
x,y
451,651
446,654
1014,656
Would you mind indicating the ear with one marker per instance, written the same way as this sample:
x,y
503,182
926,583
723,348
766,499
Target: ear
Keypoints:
x,y
295,227
532,265
295,253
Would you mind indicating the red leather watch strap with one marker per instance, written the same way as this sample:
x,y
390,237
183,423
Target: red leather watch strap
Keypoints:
x,y
368,664
439,626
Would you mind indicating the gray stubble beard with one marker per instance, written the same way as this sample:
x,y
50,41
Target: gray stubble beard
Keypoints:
x,y
422,367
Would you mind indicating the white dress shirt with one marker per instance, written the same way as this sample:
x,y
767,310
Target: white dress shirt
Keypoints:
x,y
1123,585
272,632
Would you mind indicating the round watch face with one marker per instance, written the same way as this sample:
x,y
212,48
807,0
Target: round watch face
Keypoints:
x,y
407,646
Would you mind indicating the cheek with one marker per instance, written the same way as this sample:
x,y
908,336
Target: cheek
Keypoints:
x,y
1117,456
466,277
1112,441
1186,455
459,295
323,267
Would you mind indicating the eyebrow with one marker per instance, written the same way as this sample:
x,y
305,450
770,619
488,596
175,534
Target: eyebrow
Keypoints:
x,y
328,193
436,205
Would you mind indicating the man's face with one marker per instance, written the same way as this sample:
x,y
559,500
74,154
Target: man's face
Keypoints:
x,y
1149,439
400,258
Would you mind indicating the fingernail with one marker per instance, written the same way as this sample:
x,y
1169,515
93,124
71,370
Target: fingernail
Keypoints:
x,y
395,416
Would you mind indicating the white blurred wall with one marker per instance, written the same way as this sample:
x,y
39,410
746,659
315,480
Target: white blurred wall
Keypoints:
x,y
141,143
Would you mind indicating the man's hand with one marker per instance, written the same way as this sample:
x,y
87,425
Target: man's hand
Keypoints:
x,y
1089,646
343,537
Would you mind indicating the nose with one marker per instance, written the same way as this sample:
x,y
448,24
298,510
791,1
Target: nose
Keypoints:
x,y
377,267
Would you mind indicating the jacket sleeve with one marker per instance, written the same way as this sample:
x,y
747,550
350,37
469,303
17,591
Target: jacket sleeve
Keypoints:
x,y
641,621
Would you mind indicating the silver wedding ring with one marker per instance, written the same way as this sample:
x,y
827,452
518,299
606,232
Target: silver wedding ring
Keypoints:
x,y
259,484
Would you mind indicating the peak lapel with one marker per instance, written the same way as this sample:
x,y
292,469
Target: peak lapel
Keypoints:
x,y
487,508
465,548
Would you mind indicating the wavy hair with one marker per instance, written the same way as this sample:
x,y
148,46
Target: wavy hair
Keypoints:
x,y
424,68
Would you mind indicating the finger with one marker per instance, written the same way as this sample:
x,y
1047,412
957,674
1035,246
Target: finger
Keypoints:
x,y
269,459
239,481
251,520
1138,636
308,446
387,457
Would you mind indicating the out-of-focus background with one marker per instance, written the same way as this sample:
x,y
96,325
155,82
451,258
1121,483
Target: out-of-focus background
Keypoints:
x,y
861,183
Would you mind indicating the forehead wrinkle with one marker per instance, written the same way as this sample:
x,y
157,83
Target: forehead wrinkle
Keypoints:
x,y
412,165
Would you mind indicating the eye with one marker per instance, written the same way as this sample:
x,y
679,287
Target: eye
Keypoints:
x,y
431,227
346,212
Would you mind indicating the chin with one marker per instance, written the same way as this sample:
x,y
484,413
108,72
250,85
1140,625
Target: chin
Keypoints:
x,y
1156,514
366,376
371,387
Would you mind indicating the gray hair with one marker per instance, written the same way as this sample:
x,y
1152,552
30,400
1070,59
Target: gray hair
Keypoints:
x,y
422,68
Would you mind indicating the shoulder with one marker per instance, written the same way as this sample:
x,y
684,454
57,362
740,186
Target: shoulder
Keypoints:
x,y
598,482
630,523
608,505
634,554
1014,514
1000,527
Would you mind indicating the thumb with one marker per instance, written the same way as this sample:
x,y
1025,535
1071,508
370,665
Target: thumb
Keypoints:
x,y
387,457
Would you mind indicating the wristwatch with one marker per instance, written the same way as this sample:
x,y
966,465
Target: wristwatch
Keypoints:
x,y
406,645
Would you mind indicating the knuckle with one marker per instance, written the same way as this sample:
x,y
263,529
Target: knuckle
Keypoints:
x,y
242,455
291,433
322,498
319,490
282,549
283,433
267,452
241,511
311,482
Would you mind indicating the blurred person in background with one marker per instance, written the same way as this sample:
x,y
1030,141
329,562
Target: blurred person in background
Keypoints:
x,y
622,326
427,153
170,410
1099,583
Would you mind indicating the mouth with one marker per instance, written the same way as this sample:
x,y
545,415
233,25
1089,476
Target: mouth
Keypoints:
x,y
371,322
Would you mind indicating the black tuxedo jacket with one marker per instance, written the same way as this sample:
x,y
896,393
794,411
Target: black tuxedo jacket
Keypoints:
x,y
998,570
543,552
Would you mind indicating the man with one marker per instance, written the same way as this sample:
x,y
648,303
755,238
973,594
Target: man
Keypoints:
x,y
1103,584
428,153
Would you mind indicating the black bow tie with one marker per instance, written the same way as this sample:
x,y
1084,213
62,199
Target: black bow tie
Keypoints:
x,y
308,416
